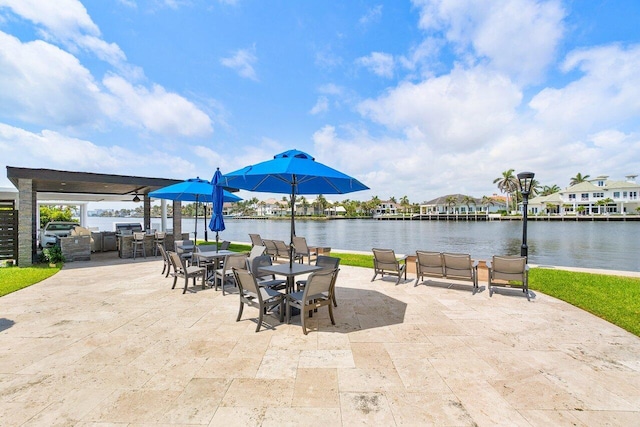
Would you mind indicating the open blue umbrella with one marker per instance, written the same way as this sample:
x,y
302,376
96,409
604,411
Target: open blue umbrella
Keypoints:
x,y
192,190
292,172
217,221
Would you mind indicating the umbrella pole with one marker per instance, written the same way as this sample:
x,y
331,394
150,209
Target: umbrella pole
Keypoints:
x,y
206,237
216,241
293,212
195,229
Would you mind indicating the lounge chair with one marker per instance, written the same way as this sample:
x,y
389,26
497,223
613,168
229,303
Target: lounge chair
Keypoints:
x,y
505,270
282,249
385,262
271,248
302,250
256,296
317,293
256,240
428,264
461,267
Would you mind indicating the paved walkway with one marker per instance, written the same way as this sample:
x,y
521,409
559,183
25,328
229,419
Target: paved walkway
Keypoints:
x,y
109,343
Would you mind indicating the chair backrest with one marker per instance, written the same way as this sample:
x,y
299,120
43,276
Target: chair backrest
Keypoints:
x,y
138,236
256,240
225,245
319,282
180,246
177,262
459,265
328,262
256,251
270,246
430,262
385,259
237,261
257,263
247,283
281,246
509,267
163,252
300,243
160,235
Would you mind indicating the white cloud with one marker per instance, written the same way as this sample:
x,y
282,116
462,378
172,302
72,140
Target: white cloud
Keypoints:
x,y
459,110
157,110
518,37
40,83
372,15
327,60
242,61
321,106
380,63
67,22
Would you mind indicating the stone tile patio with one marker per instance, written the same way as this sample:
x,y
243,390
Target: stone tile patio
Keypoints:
x,y
107,342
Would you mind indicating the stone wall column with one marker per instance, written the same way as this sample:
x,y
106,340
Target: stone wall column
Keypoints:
x,y
177,219
147,212
27,227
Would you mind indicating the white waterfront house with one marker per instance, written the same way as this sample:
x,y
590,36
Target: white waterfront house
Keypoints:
x,y
595,196
460,204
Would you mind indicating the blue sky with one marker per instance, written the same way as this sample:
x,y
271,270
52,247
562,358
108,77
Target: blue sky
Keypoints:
x,y
418,98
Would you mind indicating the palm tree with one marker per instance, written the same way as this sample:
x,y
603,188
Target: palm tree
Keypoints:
x,y
451,201
487,201
468,201
404,202
578,179
507,183
549,190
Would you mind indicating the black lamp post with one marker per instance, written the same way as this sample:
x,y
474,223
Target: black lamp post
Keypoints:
x,y
525,179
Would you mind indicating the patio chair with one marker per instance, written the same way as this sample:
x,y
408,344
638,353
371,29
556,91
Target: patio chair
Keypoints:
x,y
256,251
138,244
187,272
184,248
264,299
317,293
225,274
158,238
328,263
302,250
166,267
385,262
225,245
265,280
461,267
428,264
505,270
256,240
282,249
271,248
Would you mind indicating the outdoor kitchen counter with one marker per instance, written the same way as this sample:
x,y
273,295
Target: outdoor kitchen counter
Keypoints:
x,y
125,244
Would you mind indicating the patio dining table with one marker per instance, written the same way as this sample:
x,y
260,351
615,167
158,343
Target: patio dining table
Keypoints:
x,y
209,257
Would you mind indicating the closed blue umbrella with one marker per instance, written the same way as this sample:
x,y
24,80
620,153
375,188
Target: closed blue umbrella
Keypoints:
x,y
217,221
192,190
292,172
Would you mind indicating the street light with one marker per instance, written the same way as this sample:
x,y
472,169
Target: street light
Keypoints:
x,y
525,179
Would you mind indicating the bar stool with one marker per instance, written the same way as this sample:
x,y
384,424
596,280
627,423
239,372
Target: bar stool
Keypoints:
x,y
138,244
158,239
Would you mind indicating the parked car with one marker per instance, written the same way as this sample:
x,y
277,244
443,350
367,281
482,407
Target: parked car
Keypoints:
x,y
51,232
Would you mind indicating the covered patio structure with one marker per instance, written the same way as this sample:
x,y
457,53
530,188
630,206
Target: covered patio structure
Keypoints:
x,y
62,187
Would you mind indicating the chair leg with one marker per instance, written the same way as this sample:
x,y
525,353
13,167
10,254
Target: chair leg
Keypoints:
x,y
374,276
259,319
186,283
304,325
333,322
175,280
240,311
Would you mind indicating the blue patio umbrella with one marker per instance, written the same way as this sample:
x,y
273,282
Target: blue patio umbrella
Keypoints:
x,y
217,221
192,190
292,172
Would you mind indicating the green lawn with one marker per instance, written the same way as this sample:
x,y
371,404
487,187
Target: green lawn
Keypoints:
x,y
16,278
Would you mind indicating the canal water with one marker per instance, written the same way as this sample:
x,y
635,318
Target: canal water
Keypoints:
x,y
608,245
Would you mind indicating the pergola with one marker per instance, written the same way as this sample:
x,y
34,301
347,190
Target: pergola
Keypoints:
x,y
80,187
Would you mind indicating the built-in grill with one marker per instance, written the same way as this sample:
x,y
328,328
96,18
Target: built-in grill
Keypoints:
x,y
127,227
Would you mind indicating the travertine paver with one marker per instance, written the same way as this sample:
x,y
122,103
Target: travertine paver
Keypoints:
x,y
109,342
